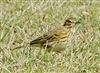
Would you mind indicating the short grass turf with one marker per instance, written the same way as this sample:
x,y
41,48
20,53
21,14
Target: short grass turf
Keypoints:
x,y
24,20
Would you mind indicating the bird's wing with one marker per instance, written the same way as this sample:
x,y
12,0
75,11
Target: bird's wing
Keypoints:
x,y
52,36
42,39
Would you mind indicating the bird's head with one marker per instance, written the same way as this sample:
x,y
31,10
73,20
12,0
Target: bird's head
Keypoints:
x,y
70,22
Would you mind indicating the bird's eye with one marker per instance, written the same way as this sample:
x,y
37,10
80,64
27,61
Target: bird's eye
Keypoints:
x,y
69,21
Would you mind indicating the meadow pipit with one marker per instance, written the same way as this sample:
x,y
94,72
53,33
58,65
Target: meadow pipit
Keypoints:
x,y
55,39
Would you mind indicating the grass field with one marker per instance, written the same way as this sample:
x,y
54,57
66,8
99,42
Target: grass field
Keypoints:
x,y
22,21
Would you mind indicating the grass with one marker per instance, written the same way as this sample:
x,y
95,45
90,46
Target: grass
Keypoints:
x,y
22,21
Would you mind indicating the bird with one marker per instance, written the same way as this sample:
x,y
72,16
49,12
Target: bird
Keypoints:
x,y
55,40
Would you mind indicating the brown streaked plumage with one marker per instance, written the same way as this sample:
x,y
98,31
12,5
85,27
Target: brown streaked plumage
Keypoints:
x,y
55,39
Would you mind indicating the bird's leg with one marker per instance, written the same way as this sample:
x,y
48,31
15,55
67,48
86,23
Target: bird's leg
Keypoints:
x,y
46,45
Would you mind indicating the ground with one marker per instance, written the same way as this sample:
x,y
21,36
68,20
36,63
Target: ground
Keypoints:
x,y
22,21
